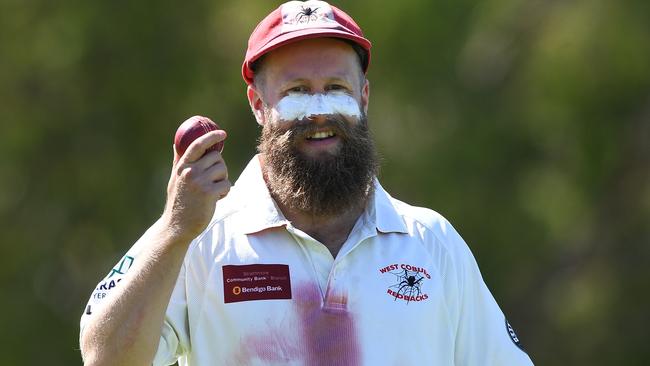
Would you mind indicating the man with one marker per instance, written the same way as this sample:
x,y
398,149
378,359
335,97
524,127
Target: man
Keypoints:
x,y
307,260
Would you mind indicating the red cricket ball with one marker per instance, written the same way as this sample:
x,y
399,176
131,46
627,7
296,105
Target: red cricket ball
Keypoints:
x,y
193,128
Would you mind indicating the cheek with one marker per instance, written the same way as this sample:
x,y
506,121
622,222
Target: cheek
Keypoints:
x,y
272,118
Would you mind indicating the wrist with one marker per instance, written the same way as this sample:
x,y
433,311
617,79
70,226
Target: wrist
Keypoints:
x,y
173,233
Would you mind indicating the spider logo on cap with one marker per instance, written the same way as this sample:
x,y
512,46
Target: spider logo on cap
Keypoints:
x,y
306,15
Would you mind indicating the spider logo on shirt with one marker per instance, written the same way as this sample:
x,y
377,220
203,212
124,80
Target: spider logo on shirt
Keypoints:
x,y
409,285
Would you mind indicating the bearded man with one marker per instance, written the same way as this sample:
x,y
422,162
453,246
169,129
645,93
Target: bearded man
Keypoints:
x,y
307,260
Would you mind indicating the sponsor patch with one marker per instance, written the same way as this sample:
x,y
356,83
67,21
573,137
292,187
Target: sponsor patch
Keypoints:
x,y
408,281
256,282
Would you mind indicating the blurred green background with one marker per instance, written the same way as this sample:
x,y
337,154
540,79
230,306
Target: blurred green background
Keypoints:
x,y
525,123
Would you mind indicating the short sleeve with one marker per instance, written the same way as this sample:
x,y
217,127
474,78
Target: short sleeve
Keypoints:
x,y
174,338
484,337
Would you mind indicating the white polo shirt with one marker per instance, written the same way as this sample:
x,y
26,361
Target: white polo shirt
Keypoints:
x,y
254,290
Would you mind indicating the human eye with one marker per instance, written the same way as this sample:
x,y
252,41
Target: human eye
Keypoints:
x,y
337,87
297,89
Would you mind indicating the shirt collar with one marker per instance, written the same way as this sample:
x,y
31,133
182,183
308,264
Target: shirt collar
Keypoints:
x,y
387,219
260,211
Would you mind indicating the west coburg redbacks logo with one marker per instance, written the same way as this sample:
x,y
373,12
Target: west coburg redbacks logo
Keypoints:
x,y
408,281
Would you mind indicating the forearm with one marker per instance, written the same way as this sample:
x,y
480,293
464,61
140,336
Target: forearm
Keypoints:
x,y
126,329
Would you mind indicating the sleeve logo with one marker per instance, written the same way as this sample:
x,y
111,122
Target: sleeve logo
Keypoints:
x,y
123,266
104,287
513,335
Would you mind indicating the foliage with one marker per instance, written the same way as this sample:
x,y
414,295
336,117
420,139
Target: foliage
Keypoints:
x,y
526,123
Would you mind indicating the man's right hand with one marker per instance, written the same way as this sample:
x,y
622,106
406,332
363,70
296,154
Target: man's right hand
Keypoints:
x,y
198,180
126,328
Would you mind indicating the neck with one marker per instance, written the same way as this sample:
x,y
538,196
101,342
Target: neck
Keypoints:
x,y
331,231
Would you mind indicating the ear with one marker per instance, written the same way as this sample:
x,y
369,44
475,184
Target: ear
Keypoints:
x,y
256,103
365,96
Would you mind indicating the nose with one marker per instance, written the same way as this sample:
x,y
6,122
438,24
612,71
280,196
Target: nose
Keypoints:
x,y
318,118
318,108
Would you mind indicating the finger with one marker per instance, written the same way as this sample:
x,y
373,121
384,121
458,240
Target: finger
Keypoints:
x,y
176,156
217,172
222,188
208,160
199,146
216,190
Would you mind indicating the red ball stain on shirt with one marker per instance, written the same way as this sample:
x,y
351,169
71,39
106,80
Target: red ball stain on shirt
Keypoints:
x,y
320,334
328,331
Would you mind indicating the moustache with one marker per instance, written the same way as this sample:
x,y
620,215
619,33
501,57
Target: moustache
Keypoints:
x,y
302,128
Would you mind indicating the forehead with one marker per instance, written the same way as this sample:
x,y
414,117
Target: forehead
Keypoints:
x,y
312,59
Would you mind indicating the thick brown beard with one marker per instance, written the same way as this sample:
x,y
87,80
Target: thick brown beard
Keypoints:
x,y
327,185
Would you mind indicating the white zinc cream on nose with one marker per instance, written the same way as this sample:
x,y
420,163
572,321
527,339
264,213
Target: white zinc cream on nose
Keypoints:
x,y
298,106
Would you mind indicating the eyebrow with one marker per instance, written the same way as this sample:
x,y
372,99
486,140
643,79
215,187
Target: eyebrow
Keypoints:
x,y
302,80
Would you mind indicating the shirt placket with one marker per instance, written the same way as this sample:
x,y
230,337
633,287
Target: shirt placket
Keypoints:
x,y
326,268
319,257
336,293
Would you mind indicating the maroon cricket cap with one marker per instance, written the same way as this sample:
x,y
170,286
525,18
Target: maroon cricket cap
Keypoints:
x,y
297,20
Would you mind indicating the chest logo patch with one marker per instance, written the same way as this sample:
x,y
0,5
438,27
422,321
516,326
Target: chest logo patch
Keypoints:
x,y
407,282
256,282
